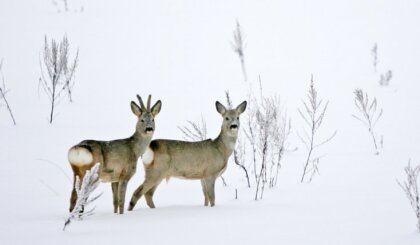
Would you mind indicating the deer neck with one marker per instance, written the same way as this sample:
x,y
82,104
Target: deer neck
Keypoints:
x,y
139,143
226,142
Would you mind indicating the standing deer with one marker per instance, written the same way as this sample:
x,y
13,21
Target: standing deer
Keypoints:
x,y
118,158
204,160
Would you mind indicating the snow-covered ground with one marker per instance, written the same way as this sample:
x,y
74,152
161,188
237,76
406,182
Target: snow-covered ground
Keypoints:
x,y
180,52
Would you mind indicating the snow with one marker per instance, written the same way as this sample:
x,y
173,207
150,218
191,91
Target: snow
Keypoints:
x,y
179,51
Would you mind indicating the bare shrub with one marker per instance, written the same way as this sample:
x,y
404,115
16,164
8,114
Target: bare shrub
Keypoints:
x,y
369,114
89,183
57,72
385,78
374,53
238,46
313,116
3,92
411,189
267,128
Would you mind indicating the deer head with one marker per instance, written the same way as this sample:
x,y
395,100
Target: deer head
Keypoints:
x,y
230,117
146,122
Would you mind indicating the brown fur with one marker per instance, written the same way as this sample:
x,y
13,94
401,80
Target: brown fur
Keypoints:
x,y
118,158
204,160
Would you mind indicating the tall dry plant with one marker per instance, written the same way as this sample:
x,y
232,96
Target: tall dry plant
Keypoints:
x,y
313,115
57,72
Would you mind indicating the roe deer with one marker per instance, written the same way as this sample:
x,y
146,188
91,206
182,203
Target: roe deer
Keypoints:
x,y
118,158
204,160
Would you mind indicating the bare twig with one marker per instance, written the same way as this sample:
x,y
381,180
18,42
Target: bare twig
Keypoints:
x,y
59,76
374,53
369,114
411,189
238,46
313,116
3,92
89,184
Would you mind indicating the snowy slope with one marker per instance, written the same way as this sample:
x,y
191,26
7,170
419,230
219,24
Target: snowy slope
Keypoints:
x,y
179,51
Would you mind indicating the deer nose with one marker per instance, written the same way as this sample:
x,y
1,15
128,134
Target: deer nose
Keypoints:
x,y
233,126
149,129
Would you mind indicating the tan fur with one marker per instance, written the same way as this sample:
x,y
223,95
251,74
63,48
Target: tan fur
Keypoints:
x,y
203,160
118,158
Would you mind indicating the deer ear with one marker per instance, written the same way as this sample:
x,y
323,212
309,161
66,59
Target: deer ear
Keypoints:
x,y
241,108
136,109
220,108
156,108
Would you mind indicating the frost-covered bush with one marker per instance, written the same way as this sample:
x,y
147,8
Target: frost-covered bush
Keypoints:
x,y
411,189
89,183
57,72
313,115
369,114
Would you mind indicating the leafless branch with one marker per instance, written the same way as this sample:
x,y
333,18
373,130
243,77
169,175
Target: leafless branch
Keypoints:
x,y
313,117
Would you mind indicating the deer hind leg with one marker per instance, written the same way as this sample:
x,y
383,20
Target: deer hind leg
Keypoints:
x,y
73,198
122,188
114,186
150,182
149,196
206,197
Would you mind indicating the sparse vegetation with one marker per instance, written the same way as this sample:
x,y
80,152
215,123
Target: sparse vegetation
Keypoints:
x,y
57,72
411,189
3,92
313,116
369,114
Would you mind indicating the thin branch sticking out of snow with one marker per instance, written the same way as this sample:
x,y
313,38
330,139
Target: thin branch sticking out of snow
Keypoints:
x,y
369,114
411,189
89,184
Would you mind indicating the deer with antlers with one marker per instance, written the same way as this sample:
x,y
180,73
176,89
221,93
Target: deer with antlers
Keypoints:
x,y
204,160
118,158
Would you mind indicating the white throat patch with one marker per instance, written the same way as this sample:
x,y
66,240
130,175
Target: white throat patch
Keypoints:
x,y
148,156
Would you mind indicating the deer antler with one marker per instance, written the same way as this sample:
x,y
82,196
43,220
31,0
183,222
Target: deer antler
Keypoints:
x,y
141,103
148,102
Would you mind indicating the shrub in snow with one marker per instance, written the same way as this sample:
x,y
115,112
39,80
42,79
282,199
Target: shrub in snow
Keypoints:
x,y
57,72
385,78
411,189
374,53
266,128
238,46
313,116
89,183
369,114
3,92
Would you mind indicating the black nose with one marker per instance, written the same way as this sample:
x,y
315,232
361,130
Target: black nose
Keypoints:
x,y
233,126
149,129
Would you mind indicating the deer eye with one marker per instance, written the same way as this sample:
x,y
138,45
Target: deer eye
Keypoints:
x,y
153,119
227,118
142,120
237,118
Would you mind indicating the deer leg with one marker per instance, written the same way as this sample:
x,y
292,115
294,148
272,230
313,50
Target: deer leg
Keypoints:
x,y
114,186
206,198
73,198
122,188
142,189
210,190
149,196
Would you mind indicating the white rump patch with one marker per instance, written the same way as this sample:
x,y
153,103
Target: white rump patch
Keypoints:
x,y
80,156
148,156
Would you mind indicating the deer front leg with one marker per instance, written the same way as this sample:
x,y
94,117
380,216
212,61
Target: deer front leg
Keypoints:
x,y
73,197
122,188
210,190
206,198
114,186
